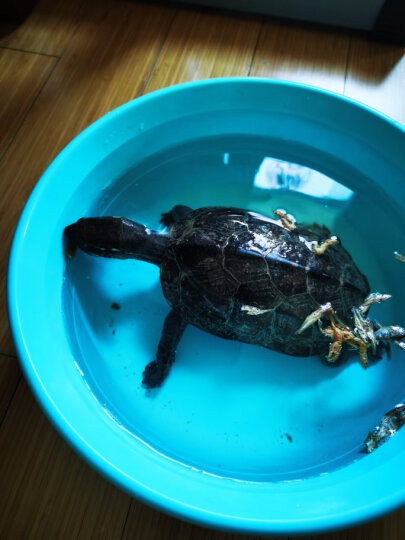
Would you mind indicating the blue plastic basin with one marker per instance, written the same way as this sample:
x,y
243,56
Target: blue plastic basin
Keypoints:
x,y
238,437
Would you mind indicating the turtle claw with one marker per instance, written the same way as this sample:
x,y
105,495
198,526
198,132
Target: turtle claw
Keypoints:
x,y
153,375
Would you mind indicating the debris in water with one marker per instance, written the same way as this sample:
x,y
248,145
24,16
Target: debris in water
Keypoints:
x,y
390,423
399,256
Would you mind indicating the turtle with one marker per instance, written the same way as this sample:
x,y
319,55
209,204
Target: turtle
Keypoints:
x,y
233,273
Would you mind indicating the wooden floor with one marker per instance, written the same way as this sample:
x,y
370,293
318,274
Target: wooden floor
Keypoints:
x,y
70,62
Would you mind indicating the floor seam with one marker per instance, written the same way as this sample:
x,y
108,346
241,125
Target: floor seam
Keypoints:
x,y
16,49
5,355
126,520
8,146
256,46
51,71
10,401
347,65
148,77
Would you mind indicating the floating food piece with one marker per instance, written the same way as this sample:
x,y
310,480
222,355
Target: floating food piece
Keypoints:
x,y
320,249
390,423
393,333
288,221
373,298
315,316
364,329
362,336
252,310
399,256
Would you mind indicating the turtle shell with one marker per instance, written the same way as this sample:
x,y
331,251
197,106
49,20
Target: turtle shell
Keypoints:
x,y
243,276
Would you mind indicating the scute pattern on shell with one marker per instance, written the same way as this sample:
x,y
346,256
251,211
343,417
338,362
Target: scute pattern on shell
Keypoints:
x,y
220,262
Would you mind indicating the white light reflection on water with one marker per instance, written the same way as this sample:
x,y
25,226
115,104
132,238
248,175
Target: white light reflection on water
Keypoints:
x,y
278,174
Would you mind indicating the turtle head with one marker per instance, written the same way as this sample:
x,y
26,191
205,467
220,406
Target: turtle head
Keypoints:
x,y
95,236
115,237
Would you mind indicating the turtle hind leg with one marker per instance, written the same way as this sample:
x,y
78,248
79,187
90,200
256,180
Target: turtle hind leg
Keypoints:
x,y
157,370
177,213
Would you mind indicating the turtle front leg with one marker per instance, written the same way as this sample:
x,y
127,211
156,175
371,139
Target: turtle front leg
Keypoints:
x,y
176,214
157,370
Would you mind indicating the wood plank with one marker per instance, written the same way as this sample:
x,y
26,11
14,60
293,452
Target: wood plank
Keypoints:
x,y
144,522
47,491
47,29
376,76
390,527
10,375
7,27
204,44
21,78
106,64
302,54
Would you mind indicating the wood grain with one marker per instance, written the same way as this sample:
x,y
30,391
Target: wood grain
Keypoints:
x,y
390,527
111,52
47,29
145,523
306,55
47,490
21,78
202,45
10,375
376,76
106,64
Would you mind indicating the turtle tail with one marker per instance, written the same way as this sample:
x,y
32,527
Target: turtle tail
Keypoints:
x,y
118,238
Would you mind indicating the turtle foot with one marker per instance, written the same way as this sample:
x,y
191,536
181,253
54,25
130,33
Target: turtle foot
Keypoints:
x,y
154,374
